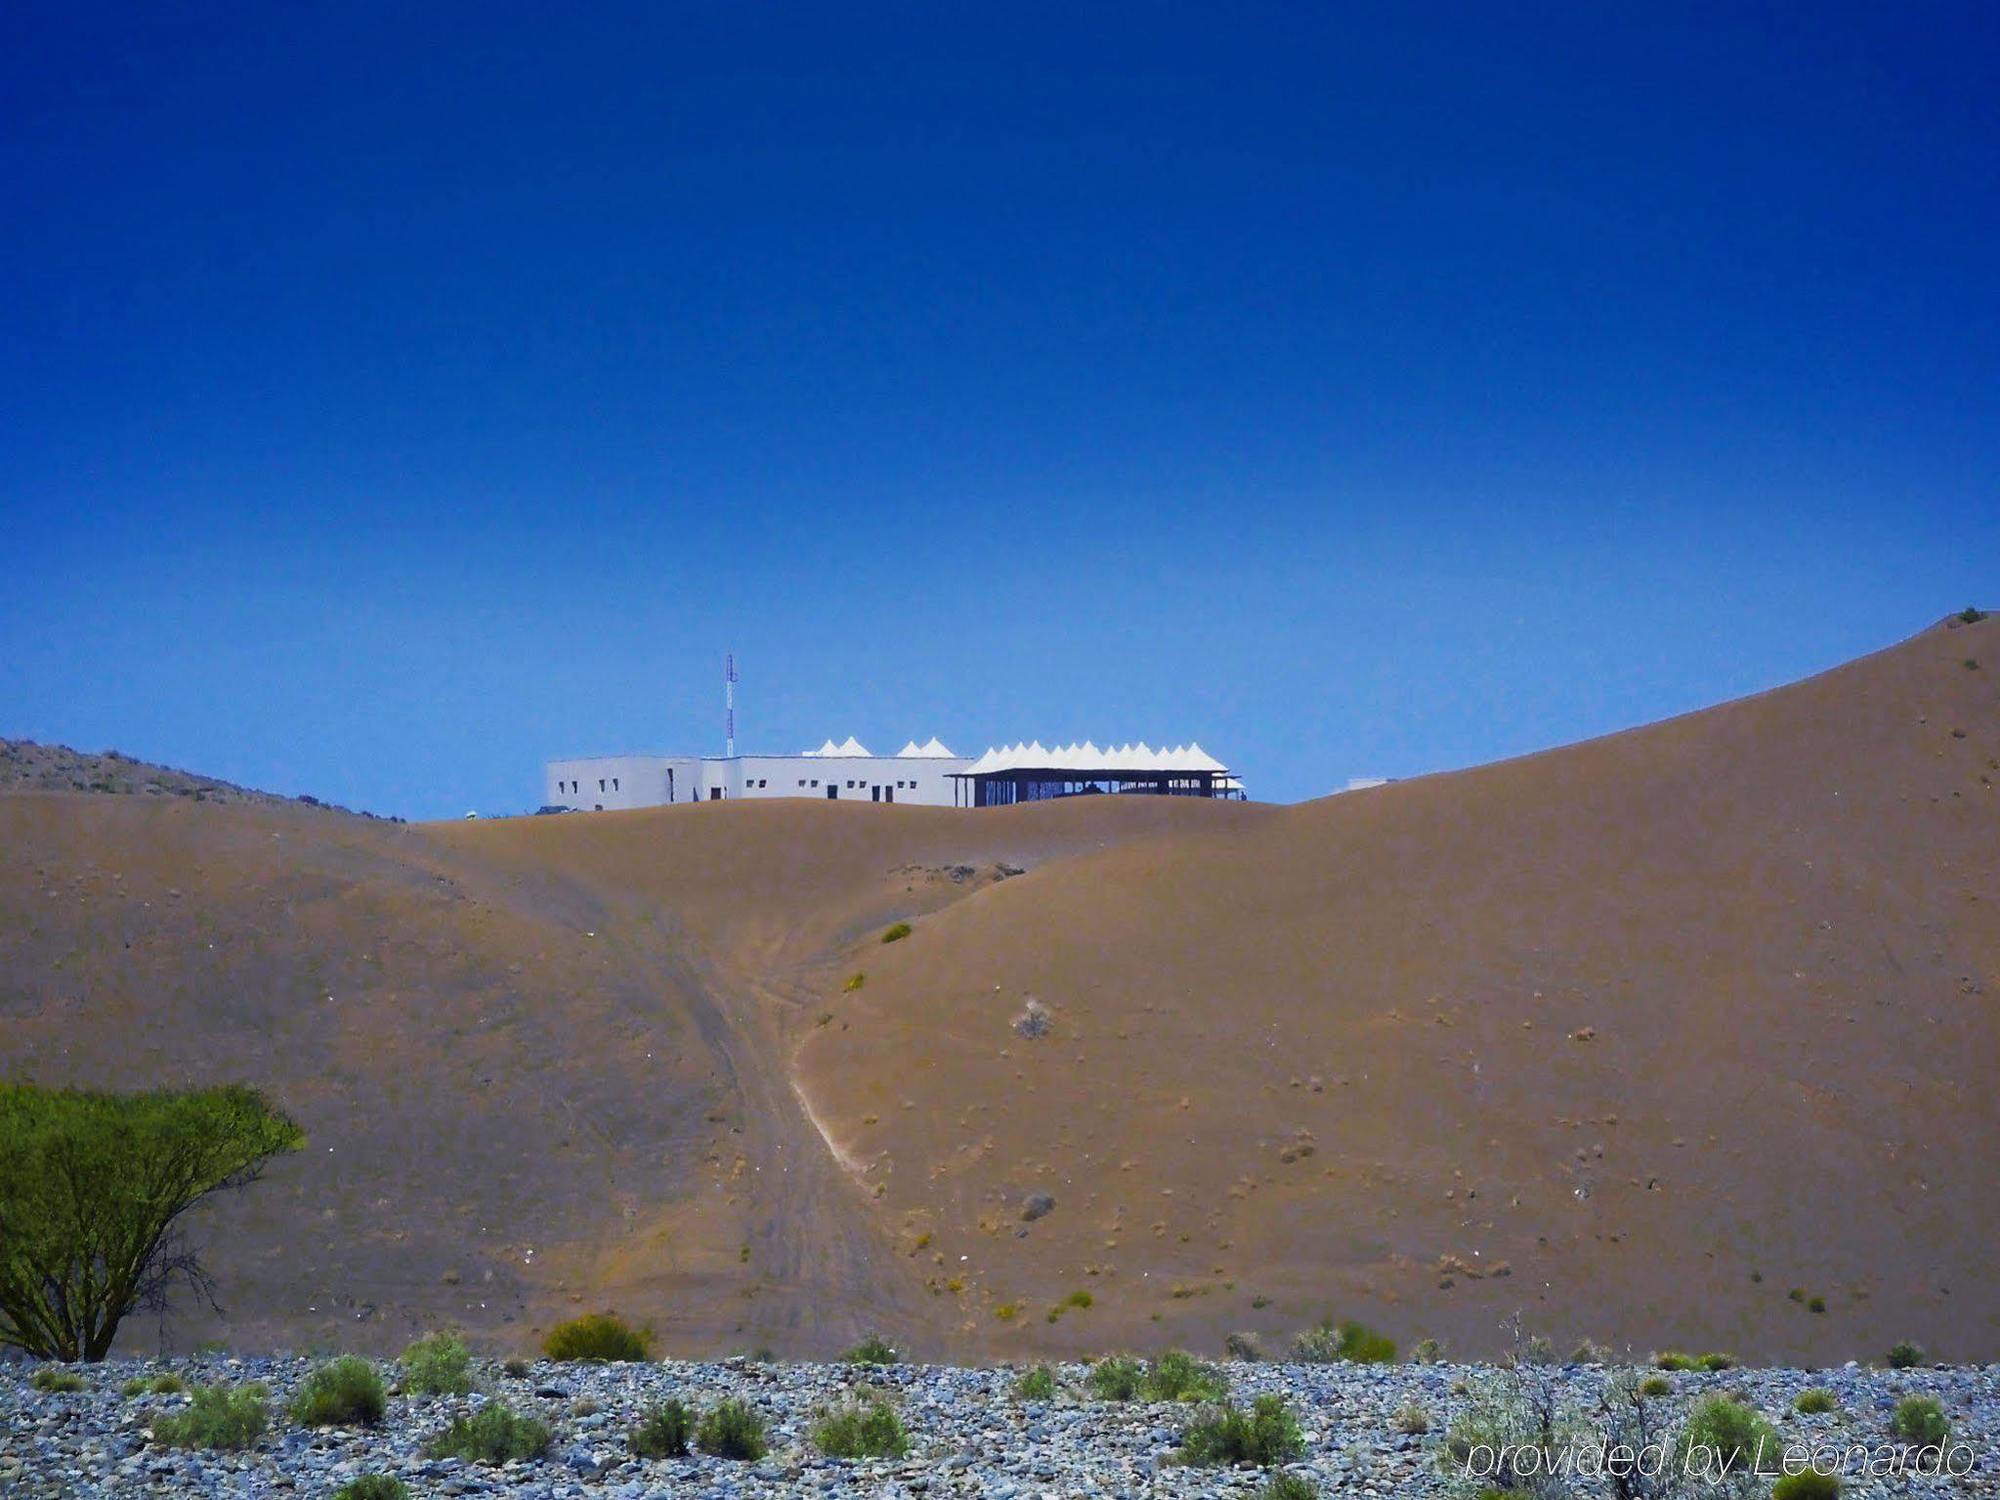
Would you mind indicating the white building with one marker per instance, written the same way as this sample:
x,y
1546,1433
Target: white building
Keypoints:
x,y
918,774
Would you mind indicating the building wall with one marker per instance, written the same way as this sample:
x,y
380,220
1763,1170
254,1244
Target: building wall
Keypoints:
x,y
607,783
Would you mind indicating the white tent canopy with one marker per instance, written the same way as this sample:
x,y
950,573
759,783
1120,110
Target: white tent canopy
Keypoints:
x,y
853,748
1086,760
935,750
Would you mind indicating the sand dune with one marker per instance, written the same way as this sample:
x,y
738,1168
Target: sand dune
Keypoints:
x,y
1633,1038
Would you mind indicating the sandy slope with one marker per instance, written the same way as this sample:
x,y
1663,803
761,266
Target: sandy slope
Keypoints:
x,y
1602,1036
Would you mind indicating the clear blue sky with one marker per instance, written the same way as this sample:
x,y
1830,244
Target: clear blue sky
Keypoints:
x,y
391,397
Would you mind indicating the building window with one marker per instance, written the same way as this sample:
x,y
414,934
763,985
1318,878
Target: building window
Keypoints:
x,y
763,782
600,786
802,781
815,781
614,783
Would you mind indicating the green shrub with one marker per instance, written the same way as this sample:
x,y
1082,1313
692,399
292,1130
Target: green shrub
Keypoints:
x,y
344,1393
1814,1402
1355,1343
1266,1434
1905,1356
1289,1487
1673,1359
896,933
1806,1486
515,1369
1970,615
664,1431
55,1378
600,1336
872,1350
373,1487
1038,1384
216,1416
861,1429
92,1188
168,1384
491,1435
1730,1431
1656,1385
1115,1378
734,1429
1920,1419
136,1386
1716,1363
1413,1420
438,1364
1179,1376
1428,1352
1816,1304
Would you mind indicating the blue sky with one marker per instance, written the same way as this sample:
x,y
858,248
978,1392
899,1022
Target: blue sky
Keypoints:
x,y
393,397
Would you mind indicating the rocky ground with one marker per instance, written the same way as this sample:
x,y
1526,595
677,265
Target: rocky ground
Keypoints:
x,y
972,1435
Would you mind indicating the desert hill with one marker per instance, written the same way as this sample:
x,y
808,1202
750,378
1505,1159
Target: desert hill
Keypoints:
x,y
1635,1037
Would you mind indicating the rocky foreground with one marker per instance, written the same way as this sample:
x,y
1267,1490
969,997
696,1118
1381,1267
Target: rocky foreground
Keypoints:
x,y
972,1434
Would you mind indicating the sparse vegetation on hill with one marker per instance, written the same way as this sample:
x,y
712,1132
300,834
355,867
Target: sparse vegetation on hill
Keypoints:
x,y
868,1428
373,1487
216,1416
602,1336
1815,1402
733,1429
896,932
1904,1356
1921,1419
873,1350
492,1435
664,1431
347,1392
438,1364
1353,1342
1268,1433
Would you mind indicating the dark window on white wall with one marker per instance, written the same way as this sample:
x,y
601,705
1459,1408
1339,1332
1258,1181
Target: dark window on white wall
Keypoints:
x,y
614,783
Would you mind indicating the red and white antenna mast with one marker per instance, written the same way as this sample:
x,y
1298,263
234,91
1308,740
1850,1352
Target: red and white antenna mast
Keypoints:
x,y
729,705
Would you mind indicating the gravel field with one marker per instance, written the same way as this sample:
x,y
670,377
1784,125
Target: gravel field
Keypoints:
x,y
971,1434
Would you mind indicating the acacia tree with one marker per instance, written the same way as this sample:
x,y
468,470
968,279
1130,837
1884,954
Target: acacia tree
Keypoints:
x,y
94,1189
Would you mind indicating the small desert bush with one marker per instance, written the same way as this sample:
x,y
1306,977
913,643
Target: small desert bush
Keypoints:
x,y
1732,1432
216,1416
1590,1352
1413,1420
1808,1485
1905,1356
1179,1376
515,1369
491,1435
437,1364
663,1432
168,1384
1038,1384
1427,1352
733,1429
346,1392
861,1429
1289,1487
896,933
1814,1402
1266,1434
136,1386
1971,616
1673,1359
1716,1363
1920,1419
1355,1343
872,1350
1115,1378
600,1336
1245,1347
55,1378
1656,1385
373,1487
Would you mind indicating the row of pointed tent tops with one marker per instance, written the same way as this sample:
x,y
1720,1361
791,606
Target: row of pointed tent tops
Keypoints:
x,y
1087,760
853,749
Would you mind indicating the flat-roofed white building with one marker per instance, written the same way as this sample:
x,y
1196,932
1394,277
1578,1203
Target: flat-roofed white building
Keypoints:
x,y
919,774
